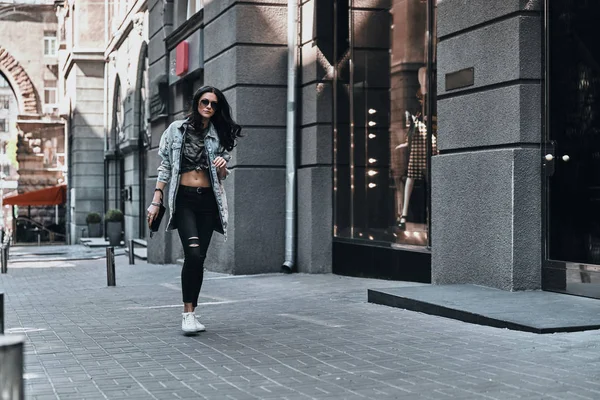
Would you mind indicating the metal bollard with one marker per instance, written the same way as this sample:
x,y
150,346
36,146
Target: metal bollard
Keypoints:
x,y
4,259
11,367
131,254
110,266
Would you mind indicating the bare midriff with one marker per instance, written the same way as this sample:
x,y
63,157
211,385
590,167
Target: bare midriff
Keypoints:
x,y
195,179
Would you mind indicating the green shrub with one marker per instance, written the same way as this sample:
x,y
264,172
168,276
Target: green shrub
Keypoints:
x,y
114,216
93,218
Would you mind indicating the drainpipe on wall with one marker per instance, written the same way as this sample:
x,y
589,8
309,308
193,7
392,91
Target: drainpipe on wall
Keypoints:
x,y
290,164
106,37
104,139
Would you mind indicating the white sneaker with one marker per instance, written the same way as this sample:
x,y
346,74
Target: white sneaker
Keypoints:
x,y
188,323
199,326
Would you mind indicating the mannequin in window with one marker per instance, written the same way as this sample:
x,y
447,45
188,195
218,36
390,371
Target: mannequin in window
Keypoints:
x,y
417,161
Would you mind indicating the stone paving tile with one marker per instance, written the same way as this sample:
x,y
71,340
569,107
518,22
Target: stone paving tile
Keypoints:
x,y
269,337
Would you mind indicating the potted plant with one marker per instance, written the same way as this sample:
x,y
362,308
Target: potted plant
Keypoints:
x,y
114,226
93,221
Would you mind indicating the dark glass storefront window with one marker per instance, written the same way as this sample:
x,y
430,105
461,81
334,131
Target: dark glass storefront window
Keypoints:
x,y
385,125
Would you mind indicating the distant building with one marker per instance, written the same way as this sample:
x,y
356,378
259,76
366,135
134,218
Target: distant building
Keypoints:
x,y
31,132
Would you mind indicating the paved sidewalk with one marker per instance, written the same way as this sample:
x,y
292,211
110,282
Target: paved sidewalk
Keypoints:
x,y
270,337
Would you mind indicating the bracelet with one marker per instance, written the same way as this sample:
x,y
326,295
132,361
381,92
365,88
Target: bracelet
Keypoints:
x,y
161,193
156,204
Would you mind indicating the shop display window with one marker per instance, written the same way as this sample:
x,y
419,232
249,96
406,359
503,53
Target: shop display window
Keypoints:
x,y
385,125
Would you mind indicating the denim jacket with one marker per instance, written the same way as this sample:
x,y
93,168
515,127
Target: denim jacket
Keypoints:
x,y
170,151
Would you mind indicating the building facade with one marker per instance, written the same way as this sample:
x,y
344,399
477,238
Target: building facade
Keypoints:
x,y
352,129
241,49
518,159
439,140
81,97
32,133
103,83
126,115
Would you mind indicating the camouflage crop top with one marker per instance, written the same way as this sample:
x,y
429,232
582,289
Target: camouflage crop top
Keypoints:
x,y
194,152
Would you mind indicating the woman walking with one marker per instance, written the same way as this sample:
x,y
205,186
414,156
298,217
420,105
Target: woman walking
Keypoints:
x,y
195,153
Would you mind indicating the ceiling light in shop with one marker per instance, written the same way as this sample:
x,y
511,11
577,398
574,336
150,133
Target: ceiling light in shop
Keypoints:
x,y
372,172
372,111
372,160
372,136
372,185
372,123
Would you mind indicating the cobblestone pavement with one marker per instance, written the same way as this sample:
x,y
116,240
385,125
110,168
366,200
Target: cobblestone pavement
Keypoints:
x,y
269,337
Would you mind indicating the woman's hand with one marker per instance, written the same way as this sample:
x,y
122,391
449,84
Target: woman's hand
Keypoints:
x,y
221,165
220,162
152,213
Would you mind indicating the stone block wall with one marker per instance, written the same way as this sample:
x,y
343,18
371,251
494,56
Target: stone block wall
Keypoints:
x,y
245,56
315,143
86,132
486,182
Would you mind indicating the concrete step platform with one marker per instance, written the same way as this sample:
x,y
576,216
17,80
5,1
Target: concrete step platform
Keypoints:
x,y
530,311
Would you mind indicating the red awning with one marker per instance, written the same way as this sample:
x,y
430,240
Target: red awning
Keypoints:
x,y
44,197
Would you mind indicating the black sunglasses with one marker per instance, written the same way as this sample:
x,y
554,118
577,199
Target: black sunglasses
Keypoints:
x,y
206,102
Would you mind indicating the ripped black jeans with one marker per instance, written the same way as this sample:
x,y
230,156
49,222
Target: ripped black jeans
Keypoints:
x,y
196,214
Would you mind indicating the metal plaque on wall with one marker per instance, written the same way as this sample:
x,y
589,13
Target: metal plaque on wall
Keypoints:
x,y
460,79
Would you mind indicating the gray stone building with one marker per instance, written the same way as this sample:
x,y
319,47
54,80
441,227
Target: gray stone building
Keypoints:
x,y
438,140
241,49
104,81
518,109
81,97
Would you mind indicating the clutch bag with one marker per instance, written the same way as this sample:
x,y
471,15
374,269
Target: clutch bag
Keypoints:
x,y
155,225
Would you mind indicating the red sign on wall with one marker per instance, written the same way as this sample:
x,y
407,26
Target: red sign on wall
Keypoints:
x,y
182,58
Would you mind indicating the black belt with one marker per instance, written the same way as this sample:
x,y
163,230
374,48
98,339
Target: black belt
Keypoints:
x,y
192,189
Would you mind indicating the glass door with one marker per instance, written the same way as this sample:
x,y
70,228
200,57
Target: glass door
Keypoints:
x,y
572,147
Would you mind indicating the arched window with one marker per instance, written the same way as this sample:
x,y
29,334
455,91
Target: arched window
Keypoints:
x,y
117,135
143,127
144,99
